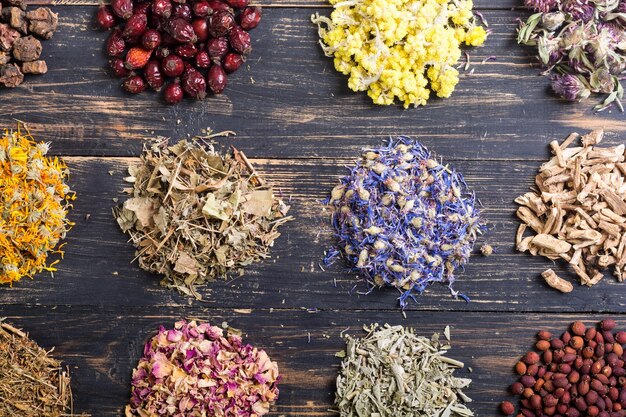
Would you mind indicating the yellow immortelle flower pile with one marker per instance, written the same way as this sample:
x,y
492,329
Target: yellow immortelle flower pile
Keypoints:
x,y
399,48
34,200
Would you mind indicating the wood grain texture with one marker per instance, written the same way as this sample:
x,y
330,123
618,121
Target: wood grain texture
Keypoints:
x,y
291,103
97,269
102,345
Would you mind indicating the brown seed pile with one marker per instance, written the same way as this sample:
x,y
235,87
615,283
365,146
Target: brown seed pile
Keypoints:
x,y
19,49
580,373
32,384
579,211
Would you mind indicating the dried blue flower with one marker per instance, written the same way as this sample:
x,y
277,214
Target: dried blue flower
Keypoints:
x,y
569,87
402,219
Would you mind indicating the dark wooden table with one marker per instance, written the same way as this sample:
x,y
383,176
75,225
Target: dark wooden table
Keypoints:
x,y
296,119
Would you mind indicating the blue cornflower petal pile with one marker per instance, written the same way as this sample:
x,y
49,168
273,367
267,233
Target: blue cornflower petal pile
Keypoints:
x,y
402,219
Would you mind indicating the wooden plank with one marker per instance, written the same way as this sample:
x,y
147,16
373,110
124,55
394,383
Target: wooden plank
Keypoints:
x,y
102,345
97,270
291,103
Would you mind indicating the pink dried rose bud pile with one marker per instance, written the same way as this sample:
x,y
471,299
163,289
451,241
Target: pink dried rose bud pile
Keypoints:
x,y
198,370
195,43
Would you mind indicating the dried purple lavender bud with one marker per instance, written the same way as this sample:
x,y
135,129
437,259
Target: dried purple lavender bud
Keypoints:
x,y
569,87
402,219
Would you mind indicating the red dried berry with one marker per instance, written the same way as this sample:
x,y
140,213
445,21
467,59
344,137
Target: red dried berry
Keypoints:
x,y
183,11
240,40
218,5
232,62
118,68
142,8
202,59
237,4
135,26
250,17
122,8
162,52
137,58
186,51
105,17
151,39
162,8
172,65
134,84
201,9
115,44
181,30
173,93
220,23
217,48
201,29
217,79
152,72
193,83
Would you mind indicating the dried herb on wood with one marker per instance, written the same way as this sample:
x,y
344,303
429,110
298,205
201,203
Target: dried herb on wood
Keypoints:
x,y
34,201
579,211
195,215
582,44
195,370
403,219
32,384
392,372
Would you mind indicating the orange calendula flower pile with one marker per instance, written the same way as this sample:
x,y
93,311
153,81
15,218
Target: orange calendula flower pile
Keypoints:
x,y
34,201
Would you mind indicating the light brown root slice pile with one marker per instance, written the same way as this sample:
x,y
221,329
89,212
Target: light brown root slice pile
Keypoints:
x,y
32,384
579,211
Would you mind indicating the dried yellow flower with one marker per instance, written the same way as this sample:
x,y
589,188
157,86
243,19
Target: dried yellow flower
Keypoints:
x,y
34,201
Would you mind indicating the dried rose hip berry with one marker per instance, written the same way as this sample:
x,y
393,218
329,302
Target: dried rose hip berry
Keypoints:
x,y
240,40
137,58
151,39
201,9
135,26
202,59
162,8
134,84
217,48
181,30
219,5
122,8
118,68
237,4
172,65
173,93
220,23
217,79
105,17
193,83
232,61
183,11
186,51
249,17
115,44
154,77
201,29
142,8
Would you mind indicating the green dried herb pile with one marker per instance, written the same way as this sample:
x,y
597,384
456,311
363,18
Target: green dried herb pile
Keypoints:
x,y
196,215
32,384
392,372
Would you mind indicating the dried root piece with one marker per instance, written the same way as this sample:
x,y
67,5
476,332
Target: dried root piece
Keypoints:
x,y
579,210
556,282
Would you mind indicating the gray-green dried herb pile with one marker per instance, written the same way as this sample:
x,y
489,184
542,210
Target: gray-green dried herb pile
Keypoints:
x,y
196,215
392,372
